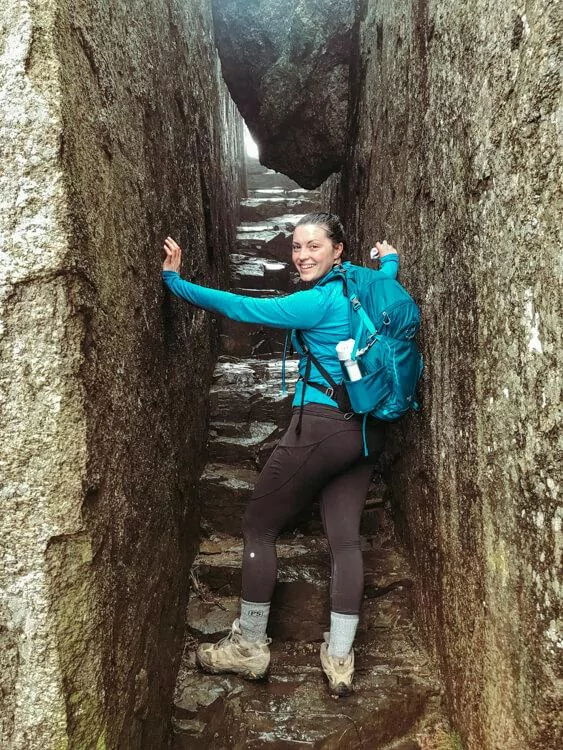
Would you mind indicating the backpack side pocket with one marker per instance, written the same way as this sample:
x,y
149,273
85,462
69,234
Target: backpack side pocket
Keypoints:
x,y
370,391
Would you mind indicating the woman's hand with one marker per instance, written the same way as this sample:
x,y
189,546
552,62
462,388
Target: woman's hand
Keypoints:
x,y
384,248
173,258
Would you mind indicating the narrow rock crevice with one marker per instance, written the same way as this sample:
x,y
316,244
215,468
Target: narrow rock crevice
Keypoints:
x,y
117,130
395,679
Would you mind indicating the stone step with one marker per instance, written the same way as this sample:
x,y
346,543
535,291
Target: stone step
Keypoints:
x,y
241,450
247,390
209,618
260,208
301,600
283,223
280,190
267,243
224,491
249,340
396,695
259,273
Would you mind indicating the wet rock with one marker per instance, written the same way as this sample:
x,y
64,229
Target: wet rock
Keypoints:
x,y
299,559
266,448
203,694
245,340
248,340
224,491
374,520
287,67
258,273
101,449
272,243
476,474
211,618
260,208
247,390
300,608
240,451
293,708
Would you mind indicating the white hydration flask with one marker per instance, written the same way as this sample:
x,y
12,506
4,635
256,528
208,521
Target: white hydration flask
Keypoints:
x,y
344,352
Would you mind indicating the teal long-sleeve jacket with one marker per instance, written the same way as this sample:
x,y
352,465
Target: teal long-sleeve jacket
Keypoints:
x,y
320,313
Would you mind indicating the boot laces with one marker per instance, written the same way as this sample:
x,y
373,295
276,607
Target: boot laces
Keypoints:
x,y
232,637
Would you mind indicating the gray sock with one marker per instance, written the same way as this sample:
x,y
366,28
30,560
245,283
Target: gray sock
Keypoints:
x,y
342,632
254,620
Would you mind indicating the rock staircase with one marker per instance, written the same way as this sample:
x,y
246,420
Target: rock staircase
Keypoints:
x,y
397,697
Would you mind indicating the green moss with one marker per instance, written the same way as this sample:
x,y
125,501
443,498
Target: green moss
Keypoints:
x,y
441,738
77,621
448,741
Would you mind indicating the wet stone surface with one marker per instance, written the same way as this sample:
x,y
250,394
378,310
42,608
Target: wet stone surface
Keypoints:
x,y
273,243
259,273
250,390
274,204
293,709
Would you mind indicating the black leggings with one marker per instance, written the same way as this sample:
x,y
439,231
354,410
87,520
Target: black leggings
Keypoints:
x,y
326,461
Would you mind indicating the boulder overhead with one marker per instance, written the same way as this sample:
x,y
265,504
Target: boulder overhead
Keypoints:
x,y
287,68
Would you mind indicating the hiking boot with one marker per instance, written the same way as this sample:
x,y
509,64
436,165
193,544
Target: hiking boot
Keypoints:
x,y
236,654
338,671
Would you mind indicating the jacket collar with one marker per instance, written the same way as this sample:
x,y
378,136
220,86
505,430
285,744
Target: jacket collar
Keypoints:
x,y
334,273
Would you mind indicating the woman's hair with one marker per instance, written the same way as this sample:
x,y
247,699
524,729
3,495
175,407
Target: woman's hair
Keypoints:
x,y
330,223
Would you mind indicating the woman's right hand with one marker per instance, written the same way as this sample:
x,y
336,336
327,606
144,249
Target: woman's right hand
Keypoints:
x,y
173,259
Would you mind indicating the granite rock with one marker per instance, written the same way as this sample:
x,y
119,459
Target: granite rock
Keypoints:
x,y
456,159
287,68
116,130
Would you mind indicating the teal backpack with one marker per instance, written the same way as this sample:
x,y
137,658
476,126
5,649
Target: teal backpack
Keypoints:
x,y
384,322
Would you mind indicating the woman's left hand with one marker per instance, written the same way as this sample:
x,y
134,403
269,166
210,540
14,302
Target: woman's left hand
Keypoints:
x,y
385,248
173,258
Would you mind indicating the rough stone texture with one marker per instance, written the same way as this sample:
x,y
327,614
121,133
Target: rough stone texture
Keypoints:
x,y
287,66
456,160
115,130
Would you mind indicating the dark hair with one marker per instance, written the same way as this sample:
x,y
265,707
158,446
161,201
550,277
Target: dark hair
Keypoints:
x,y
330,223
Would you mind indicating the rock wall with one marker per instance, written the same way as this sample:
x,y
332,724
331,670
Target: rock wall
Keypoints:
x,y
287,67
115,130
455,158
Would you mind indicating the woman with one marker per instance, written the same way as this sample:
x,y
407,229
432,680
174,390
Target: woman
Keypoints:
x,y
320,455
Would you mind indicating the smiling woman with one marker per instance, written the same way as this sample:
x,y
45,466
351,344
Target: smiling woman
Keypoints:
x,y
316,248
320,455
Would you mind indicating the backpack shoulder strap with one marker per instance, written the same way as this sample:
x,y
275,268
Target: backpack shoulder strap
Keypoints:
x,y
311,357
351,275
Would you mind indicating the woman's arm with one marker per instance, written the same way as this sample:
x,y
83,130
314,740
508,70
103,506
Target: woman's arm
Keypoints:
x,y
388,259
299,310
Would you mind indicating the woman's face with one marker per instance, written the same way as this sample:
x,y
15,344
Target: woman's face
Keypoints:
x,y
314,253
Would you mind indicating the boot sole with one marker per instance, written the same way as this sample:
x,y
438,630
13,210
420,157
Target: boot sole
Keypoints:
x,y
247,674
